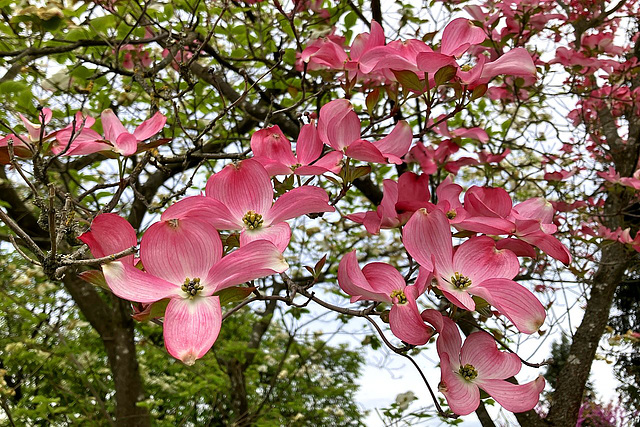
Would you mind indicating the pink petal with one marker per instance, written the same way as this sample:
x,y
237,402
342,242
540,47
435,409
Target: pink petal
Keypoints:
x,y
405,320
473,75
478,259
130,283
459,297
272,144
110,234
536,208
338,125
462,396
430,62
481,351
383,278
87,142
487,201
150,127
518,247
449,342
279,234
487,225
386,57
242,187
413,188
516,62
191,326
310,170
365,151
473,133
353,282
274,167
365,41
331,161
252,261
205,209
309,145
126,144
180,248
459,35
398,141
371,220
514,397
112,126
513,300
427,236
297,202
549,245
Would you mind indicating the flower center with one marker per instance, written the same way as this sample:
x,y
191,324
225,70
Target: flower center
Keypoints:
x,y
252,220
468,372
399,296
466,67
192,287
296,166
460,281
452,214
173,223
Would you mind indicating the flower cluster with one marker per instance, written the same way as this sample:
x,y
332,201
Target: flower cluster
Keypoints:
x,y
184,268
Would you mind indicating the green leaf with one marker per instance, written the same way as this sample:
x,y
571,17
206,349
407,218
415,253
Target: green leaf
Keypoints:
x,y
372,100
409,80
95,277
234,294
153,311
478,91
444,74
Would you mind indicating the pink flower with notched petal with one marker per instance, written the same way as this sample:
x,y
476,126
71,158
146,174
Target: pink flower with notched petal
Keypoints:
x,y
478,364
116,137
381,282
339,127
183,262
400,199
240,197
273,150
20,148
477,267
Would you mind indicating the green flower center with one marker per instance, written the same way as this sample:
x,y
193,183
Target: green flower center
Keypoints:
x,y
399,295
252,220
460,281
192,287
468,372
452,214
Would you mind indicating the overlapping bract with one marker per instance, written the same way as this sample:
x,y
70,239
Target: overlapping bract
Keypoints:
x,y
182,262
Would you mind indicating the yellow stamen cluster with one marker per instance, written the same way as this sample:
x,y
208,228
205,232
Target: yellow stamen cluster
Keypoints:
x,y
468,372
192,287
399,295
252,220
452,214
460,281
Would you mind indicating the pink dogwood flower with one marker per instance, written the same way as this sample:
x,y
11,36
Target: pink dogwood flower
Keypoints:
x,y
339,127
378,281
400,199
240,197
478,364
20,147
183,262
476,268
273,150
116,137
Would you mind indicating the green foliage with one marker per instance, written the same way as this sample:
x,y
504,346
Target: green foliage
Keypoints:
x,y
55,370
